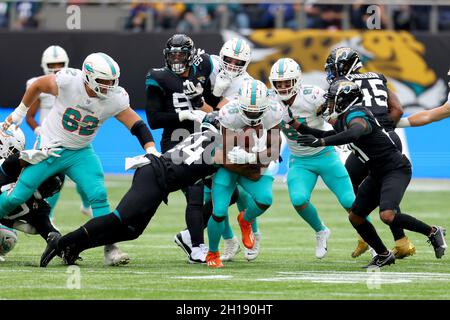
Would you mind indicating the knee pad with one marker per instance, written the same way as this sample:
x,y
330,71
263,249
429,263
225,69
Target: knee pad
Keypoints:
x,y
347,200
132,232
264,197
97,195
298,199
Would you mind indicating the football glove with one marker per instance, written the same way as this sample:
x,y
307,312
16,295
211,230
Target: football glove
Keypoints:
x,y
35,156
239,156
152,150
260,143
308,140
223,81
193,93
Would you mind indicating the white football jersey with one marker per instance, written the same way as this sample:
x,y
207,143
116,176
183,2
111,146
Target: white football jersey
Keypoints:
x,y
230,117
304,109
46,102
75,117
232,91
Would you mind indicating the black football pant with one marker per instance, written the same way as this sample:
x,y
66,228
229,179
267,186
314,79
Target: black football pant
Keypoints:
x,y
358,171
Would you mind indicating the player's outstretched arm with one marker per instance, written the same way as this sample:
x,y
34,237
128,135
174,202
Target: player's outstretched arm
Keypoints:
x,y
138,128
44,84
31,117
425,117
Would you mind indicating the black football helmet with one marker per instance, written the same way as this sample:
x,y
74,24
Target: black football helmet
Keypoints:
x,y
211,122
341,62
342,95
179,53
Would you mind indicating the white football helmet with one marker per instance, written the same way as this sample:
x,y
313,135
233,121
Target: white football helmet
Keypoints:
x,y
11,141
253,101
282,70
100,66
237,49
54,54
8,240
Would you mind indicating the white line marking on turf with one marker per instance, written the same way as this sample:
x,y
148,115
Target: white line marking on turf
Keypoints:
x,y
214,277
358,277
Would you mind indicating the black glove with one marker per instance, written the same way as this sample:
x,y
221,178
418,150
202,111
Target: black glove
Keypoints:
x,y
308,140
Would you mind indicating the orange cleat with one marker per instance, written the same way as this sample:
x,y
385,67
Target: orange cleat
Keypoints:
x,y
213,260
248,238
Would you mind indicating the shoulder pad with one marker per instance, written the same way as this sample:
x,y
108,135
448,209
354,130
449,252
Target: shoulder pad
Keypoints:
x,y
313,95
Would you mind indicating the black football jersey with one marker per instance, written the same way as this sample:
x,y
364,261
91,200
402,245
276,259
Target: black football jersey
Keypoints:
x,y
376,148
174,100
374,88
191,160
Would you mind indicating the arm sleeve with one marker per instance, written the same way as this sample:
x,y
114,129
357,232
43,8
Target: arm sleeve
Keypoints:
x,y
304,129
352,134
154,109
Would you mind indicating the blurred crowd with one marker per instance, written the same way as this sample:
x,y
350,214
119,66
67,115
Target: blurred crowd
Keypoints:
x,y
188,17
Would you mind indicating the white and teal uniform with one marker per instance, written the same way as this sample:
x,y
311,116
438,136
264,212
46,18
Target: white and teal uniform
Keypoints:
x,y
306,164
224,181
46,102
73,123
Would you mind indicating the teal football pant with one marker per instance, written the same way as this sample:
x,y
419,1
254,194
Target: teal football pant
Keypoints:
x,y
302,178
82,166
224,183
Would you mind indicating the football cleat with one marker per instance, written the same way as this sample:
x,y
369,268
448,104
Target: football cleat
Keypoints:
x,y
322,243
403,248
183,240
252,254
51,250
2,258
230,249
248,238
213,260
437,240
361,247
381,260
70,256
114,256
198,254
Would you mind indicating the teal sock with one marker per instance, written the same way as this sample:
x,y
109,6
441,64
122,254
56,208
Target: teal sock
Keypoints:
x,y
368,218
52,203
252,211
255,226
215,231
227,231
310,215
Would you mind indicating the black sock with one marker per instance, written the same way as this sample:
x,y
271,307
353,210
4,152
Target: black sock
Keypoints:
x,y
367,231
43,225
96,232
398,233
194,223
405,221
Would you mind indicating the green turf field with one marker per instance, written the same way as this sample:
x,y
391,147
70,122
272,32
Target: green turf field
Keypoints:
x,y
285,269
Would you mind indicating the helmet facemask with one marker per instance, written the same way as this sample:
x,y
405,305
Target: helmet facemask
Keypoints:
x,y
252,115
232,66
285,92
178,59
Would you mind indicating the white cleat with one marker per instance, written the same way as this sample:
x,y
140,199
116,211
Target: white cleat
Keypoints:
x,y
86,211
252,254
114,256
230,249
198,254
183,240
322,243
2,259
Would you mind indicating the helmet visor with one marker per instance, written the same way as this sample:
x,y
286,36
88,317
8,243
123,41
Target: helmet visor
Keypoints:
x,y
177,59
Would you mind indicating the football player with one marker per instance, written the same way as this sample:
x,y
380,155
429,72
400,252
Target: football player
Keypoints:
x,y
54,58
387,109
389,169
252,109
195,158
32,216
177,96
85,99
303,103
